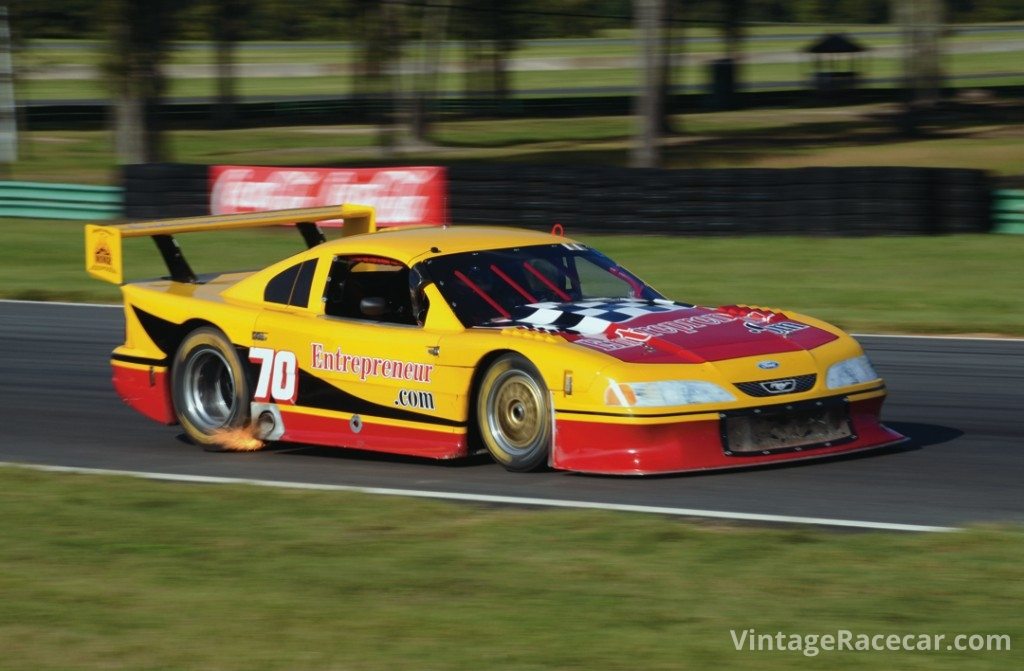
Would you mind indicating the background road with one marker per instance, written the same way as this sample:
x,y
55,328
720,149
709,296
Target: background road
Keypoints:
x,y
959,401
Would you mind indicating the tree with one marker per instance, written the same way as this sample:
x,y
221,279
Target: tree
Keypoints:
x,y
8,108
227,26
734,13
375,80
138,36
433,29
648,105
670,36
921,27
491,30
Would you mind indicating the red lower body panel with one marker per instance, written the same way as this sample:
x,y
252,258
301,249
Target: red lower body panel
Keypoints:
x,y
580,445
375,436
147,390
644,449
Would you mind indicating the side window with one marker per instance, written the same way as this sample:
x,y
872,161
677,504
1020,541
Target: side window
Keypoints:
x,y
300,293
279,288
291,286
369,288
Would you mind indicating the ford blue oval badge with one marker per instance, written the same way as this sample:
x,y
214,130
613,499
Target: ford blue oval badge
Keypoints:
x,y
767,364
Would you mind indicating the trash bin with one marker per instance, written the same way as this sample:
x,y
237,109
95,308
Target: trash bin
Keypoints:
x,y
723,83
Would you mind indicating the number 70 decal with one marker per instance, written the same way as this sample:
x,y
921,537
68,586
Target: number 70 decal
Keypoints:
x,y
278,373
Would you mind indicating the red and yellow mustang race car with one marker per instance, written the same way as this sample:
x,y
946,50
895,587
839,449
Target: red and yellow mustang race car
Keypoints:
x,y
439,342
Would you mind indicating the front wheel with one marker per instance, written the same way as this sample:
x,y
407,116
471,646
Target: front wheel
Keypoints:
x,y
513,413
209,386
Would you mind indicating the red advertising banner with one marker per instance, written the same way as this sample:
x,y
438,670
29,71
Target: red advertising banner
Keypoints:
x,y
401,196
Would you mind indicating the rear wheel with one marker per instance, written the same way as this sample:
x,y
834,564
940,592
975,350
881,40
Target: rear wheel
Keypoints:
x,y
209,386
513,413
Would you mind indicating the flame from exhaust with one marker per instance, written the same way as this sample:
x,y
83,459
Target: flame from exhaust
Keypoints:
x,y
240,439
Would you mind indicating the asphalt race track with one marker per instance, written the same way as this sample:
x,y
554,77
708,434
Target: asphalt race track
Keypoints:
x,y
959,400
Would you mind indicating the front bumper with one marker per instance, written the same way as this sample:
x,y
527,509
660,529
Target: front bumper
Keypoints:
x,y
643,446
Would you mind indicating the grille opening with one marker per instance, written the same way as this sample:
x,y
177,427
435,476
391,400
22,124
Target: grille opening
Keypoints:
x,y
786,429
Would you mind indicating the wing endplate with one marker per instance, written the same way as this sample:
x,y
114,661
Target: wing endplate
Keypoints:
x,y
104,260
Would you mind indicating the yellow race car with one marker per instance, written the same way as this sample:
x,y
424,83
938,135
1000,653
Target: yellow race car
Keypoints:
x,y
440,342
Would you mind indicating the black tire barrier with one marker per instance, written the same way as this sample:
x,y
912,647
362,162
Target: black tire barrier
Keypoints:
x,y
165,190
850,201
801,201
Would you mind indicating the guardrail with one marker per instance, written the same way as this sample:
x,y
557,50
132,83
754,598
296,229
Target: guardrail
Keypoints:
x,y
44,200
1008,211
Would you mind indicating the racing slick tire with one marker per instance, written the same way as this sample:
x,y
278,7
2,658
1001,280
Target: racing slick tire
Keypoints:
x,y
513,414
209,387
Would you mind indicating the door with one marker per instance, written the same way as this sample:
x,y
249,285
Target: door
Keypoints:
x,y
355,368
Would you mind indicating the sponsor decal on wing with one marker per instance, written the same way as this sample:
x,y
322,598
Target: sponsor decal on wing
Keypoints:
x,y
101,256
103,253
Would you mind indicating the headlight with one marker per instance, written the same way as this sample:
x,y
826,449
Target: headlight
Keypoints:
x,y
668,392
850,372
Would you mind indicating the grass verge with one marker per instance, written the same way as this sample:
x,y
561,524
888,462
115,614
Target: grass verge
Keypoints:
x,y
986,135
112,573
967,69
947,284
330,65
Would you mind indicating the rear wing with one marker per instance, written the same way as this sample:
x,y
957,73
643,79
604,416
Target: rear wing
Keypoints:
x,y
103,258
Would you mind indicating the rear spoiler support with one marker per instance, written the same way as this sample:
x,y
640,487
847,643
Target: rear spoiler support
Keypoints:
x,y
311,233
175,260
103,259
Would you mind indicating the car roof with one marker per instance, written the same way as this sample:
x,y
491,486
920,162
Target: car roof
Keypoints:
x,y
409,244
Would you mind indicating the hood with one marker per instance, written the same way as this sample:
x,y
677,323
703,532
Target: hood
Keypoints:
x,y
661,331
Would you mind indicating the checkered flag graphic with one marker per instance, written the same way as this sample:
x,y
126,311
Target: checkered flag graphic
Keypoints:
x,y
589,317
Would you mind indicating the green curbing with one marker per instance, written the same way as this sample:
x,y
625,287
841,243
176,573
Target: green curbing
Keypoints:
x,y
43,200
1008,211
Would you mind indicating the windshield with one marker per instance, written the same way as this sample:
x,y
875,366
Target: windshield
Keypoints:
x,y
488,287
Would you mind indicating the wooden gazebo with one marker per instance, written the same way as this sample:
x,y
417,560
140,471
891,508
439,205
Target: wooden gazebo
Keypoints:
x,y
837,58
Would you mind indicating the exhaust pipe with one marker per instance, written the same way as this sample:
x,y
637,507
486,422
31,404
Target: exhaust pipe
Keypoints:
x,y
268,424
265,425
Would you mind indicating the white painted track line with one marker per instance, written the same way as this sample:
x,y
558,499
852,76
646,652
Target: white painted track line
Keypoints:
x,y
485,498
63,303
897,336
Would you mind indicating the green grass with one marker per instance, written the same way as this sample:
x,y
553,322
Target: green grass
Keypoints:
x,y
949,284
40,56
47,258
754,78
112,573
983,135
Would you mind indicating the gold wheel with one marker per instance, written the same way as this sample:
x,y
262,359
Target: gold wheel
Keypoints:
x,y
514,414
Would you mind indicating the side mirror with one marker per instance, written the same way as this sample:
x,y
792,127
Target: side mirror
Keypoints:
x,y
373,306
